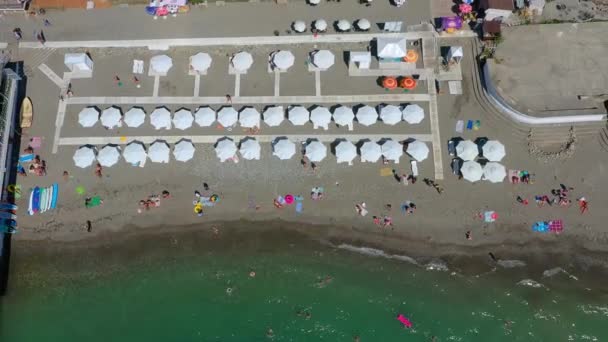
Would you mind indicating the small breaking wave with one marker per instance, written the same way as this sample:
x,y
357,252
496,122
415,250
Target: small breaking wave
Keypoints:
x,y
436,265
377,253
530,283
510,263
557,270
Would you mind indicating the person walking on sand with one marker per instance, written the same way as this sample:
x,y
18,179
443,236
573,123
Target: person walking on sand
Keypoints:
x,y
583,205
98,170
228,98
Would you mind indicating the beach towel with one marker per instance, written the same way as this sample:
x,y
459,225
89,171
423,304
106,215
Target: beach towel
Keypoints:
x,y
490,216
469,125
477,125
459,126
540,226
299,205
25,158
414,168
386,171
556,226
94,202
36,142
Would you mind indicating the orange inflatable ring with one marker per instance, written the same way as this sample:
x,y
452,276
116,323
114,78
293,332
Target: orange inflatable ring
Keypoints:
x,y
411,56
389,83
408,83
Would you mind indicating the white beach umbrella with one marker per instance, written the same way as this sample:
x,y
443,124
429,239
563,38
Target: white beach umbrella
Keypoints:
x,y
467,150
370,152
158,152
299,26
242,61
346,151
84,156
344,116
363,24
225,149
320,24
250,149
161,63
134,117
471,171
343,25
200,62
183,119
413,114
315,151
273,116
204,116
88,117
183,150
249,117
494,172
418,150
135,153
323,59
161,118
392,150
111,117
493,150
298,115
320,117
108,155
367,115
283,59
390,115
283,148
314,2
227,116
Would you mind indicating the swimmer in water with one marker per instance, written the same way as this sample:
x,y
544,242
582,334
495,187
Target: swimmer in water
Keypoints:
x,y
307,315
356,338
269,333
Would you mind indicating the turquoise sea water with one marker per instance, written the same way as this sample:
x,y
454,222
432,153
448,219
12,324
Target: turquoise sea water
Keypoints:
x,y
182,291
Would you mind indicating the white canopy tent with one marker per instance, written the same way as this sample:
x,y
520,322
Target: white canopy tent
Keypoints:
x,y
158,152
343,25
361,59
467,150
183,119
111,117
471,171
493,150
346,152
84,156
161,118
249,117
227,116
283,59
370,151
250,149
78,62
315,151
494,172
392,150
417,150
200,62
363,24
134,117
413,114
225,149
390,114
161,63
320,25
241,61
183,150
108,155
88,117
391,48
298,115
320,117
367,115
299,26
283,148
455,54
204,116
135,153
274,116
323,59
344,116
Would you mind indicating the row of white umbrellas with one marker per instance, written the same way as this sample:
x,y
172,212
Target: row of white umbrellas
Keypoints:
x,y
492,171
342,25
163,63
492,150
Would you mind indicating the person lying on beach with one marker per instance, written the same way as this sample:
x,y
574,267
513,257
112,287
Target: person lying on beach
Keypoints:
x,y
361,209
166,194
388,221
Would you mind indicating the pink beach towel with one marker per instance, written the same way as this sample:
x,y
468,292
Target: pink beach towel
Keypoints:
x,y
556,226
404,320
36,142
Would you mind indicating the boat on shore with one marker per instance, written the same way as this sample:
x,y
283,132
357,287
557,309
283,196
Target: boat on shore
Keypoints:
x,y
27,113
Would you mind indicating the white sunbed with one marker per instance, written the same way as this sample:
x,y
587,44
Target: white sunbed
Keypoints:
x,y
414,168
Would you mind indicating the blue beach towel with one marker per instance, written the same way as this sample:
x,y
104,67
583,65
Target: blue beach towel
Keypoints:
x,y
26,158
470,125
299,205
540,226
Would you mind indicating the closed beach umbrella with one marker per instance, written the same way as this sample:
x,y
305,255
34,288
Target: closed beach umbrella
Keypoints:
x,y
200,62
315,151
88,117
323,59
343,25
418,150
225,149
183,119
204,116
273,116
183,150
392,150
161,63
158,152
227,116
134,117
283,59
250,149
494,172
367,115
343,115
370,152
363,24
161,118
242,61
84,156
471,171
467,150
283,148
413,114
493,150
111,117
390,115
249,117
299,26
135,153
108,155
346,151
298,115
320,117
320,24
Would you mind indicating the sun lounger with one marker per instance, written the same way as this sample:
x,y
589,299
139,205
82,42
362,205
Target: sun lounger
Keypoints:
x,y
459,126
414,168
138,66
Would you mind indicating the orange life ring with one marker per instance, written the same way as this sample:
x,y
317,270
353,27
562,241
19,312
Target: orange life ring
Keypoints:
x,y
408,83
389,82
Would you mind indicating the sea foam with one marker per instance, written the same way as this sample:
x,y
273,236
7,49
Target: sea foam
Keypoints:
x,y
377,253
